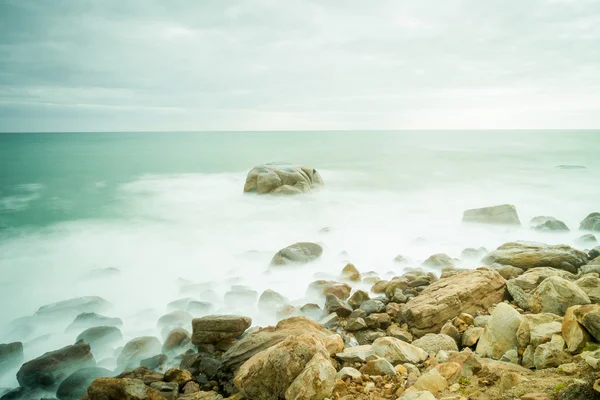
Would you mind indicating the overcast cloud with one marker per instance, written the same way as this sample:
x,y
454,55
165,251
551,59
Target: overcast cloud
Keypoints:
x,y
80,65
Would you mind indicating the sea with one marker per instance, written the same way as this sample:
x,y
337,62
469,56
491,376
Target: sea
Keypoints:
x,y
146,218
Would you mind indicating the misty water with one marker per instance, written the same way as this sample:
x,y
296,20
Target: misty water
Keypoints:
x,y
167,213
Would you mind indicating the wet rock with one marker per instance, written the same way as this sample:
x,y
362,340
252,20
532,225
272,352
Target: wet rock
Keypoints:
x,y
397,351
77,383
268,374
335,305
177,341
355,324
587,239
445,299
368,336
311,310
351,273
432,343
89,320
136,350
471,253
213,329
527,255
240,297
357,298
270,301
169,391
500,334
330,321
378,366
178,376
190,387
100,336
281,178
507,271
297,253
502,214
75,306
144,374
121,389
555,295
267,337
380,286
199,308
339,290
316,381
11,355
548,224
155,362
591,222
439,261
378,321
53,367
372,306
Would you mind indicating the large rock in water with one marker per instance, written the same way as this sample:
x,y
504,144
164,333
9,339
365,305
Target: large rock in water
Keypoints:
x,y
282,178
528,255
55,366
270,374
297,253
11,355
137,350
502,214
77,383
87,304
270,336
214,328
467,292
591,222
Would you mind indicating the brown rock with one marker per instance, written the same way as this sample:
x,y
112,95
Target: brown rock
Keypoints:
x,y
178,376
215,328
527,255
445,299
121,389
351,273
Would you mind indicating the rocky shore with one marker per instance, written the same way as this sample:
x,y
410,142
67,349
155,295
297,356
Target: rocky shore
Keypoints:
x,y
525,325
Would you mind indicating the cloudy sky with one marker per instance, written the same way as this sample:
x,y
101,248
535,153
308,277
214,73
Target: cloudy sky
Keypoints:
x,y
105,65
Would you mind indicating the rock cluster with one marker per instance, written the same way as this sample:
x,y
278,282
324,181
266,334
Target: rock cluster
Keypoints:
x,y
279,178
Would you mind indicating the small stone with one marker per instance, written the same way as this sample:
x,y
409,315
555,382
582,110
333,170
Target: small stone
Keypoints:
x,y
379,366
356,353
351,273
508,380
334,305
471,336
372,306
357,298
355,324
431,381
432,343
348,372
568,368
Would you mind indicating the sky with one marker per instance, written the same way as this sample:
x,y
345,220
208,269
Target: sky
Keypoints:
x,y
114,65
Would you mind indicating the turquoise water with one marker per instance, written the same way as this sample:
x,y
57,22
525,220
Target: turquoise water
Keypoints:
x,y
167,209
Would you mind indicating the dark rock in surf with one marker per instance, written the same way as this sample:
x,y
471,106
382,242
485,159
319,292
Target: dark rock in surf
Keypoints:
x,y
279,178
87,304
213,329
544,223
100,336
53,367
11,355
297,253
591,222
77,383
503,214
137,350
89,320
177,340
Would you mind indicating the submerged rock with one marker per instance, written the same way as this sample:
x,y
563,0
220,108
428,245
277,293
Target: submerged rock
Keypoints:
x,y
11,355
297,253
439,261
447,298
89,320
77,383
548,224
282,178
136,350
527,255
591,222
100,336
87,304
502,214
53,367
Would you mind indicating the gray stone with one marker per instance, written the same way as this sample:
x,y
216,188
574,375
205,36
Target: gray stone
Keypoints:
x,y
432,343
297,253
502,214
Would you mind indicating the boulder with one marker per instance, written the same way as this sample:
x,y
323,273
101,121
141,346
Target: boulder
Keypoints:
x,y
589,317
267,337
90,320
351,273
439,261
398,352
591,222
536,329
431,381
213,329
500,334
503,214
471,336
240,297
471,253
548,224
178,376
169,391
574,334
555,295
199,308
75,306
77,383
121,389
270,301
147,376
177,340
297,253
174,319
315,382
53,367
335,305
468,292
433,343
532,278
357,298
591,286
372,306
100,336
378,366
527,255
587,239
551,354
136,350
282,178
268,374
348,372
11,355
356,354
